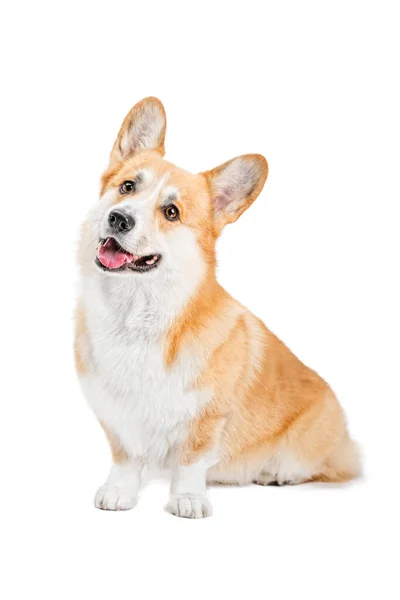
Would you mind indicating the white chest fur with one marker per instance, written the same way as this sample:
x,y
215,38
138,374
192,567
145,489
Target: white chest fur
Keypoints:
x,y
145,404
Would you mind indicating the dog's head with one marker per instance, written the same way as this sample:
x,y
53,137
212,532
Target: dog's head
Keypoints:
x,y
155,218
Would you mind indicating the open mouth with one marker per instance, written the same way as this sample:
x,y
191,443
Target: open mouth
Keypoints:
x,y
112,257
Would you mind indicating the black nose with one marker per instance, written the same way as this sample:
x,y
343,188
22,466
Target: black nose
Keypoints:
x,y
121,221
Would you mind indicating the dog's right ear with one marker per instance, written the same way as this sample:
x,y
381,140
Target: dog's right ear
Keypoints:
x,y
142,129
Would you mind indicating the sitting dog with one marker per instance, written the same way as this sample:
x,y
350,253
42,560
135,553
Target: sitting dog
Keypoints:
x,y
181,376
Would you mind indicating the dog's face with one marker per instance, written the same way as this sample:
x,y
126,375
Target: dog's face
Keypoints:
x,y
154,218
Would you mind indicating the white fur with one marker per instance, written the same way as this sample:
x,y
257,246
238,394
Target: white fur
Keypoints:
x,y
191,506
144,404
120,492
188,488
129,387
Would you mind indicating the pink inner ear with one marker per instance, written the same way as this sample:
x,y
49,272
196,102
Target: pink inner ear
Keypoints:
x,y
222,200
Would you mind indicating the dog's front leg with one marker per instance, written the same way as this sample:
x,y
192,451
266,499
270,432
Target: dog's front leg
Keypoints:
x,y
188,491
199,453
120,491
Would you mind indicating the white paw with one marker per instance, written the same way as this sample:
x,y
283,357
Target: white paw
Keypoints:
x,y
109,497
191,506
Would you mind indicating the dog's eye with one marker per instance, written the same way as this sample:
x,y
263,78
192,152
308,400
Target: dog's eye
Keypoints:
x,y
171,212
127,187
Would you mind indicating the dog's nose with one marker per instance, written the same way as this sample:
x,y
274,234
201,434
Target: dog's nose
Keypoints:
x,y
121,221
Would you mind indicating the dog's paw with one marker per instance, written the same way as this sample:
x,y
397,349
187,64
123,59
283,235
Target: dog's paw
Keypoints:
x,y
109,497
190,506
270,479
266,479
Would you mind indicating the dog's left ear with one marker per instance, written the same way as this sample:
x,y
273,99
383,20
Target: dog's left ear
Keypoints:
x,y
235,185
142,129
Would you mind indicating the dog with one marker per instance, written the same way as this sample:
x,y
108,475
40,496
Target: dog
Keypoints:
x,y
182,377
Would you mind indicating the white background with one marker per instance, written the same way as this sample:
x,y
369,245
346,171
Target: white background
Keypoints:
x,y
314,87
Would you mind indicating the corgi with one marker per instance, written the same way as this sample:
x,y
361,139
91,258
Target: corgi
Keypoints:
x,y
182,377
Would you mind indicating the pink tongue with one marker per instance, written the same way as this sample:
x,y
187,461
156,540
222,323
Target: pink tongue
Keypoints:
x,y
113,257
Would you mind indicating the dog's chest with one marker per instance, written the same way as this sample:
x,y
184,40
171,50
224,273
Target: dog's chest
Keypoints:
x,y
141,401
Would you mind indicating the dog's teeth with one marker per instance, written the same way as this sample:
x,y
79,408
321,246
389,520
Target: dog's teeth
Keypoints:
x,y
151,260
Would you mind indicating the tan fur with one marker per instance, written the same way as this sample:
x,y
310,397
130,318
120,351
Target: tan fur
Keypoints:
x,y
271,401
203,435
80,334
118,453
265,403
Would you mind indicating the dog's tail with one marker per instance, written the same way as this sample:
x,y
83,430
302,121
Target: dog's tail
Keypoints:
x,y
343,464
